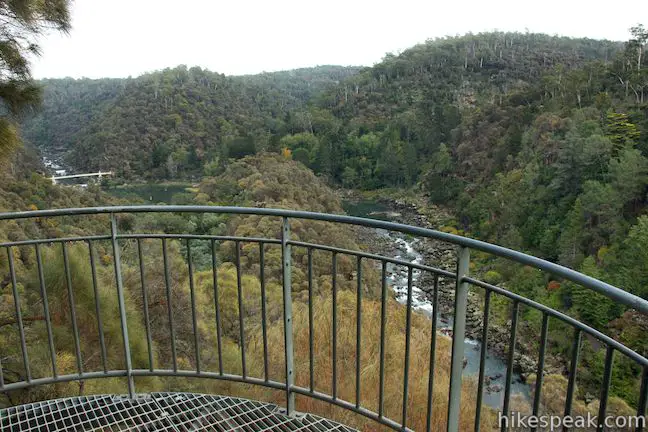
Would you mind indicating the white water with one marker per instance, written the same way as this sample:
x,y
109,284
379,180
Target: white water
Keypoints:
x,y
397,278
56,168
52,164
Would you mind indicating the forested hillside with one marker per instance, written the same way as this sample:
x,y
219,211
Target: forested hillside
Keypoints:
x,y
171,123
540,142
536,142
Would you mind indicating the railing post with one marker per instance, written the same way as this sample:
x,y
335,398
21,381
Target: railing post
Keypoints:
x,y
288,328
458,335
122,305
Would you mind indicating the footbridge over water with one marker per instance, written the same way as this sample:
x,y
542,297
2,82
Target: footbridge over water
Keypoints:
x,y
95,174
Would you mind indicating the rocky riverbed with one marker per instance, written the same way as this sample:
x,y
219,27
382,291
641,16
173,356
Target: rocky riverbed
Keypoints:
x,y
443,255
418,250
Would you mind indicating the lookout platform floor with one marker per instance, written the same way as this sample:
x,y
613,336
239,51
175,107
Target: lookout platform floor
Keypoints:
x,y
178,412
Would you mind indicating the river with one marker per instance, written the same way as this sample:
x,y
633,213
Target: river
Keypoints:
x,y
154,193
408,249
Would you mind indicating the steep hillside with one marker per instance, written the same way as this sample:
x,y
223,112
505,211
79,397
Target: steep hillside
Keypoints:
x,y
170,123
432,93
539,143
69,107
22,188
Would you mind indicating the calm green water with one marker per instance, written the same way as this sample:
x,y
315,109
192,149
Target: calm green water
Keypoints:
x,y
151,192
366,208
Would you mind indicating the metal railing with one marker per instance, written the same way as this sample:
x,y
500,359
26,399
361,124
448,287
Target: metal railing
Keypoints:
x,y
461,277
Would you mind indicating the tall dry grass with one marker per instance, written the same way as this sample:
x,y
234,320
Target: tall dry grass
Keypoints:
x,y
231,347
554,396
370,364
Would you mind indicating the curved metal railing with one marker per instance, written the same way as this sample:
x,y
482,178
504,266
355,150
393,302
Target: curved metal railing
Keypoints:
x,y
461,277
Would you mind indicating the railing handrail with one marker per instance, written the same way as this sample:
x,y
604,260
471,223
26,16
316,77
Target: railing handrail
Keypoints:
x,y
460,276
617,294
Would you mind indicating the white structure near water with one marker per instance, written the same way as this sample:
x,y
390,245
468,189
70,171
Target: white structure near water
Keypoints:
x,y
61,177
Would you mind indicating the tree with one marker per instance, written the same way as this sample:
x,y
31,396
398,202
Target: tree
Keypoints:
x,y
349,177
302,155
21,22
582,157
629,175
634,56
639,38
303,145
593,308
621,131
438,178
634,259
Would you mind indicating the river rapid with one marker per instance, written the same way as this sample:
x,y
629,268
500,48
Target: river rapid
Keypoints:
x,y
409,249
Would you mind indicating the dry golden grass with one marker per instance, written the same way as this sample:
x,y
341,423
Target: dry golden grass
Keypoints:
x,y
553,398
370,364
231,353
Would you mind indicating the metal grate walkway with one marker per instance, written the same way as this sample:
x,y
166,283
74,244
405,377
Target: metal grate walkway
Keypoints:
x,y
178,412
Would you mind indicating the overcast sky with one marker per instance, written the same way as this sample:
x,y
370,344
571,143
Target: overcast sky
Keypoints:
x,y
118,38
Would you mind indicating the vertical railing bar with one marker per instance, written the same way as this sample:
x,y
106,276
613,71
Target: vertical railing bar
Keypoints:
x,y
540,371
147,318
73,318
167,283
433,337
408,333
358,329
458,336
287,299
311,327
605,387
217,307
239,291
2,374
571,384
288,329
192,294
46,311
97,302
643,400
19,320
263,310
383,317
334,316
122,305
482,360
509,364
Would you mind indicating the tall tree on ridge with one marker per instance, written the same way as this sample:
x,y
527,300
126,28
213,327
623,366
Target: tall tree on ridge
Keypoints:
x,y
640,37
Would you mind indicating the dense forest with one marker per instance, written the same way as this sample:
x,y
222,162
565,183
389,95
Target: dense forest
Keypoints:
x,y
175,122
535,142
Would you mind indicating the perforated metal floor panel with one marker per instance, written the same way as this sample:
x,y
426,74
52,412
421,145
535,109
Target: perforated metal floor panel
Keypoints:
x,y
181,412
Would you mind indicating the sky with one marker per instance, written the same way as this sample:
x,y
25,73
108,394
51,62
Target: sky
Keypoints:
x,y
120,38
